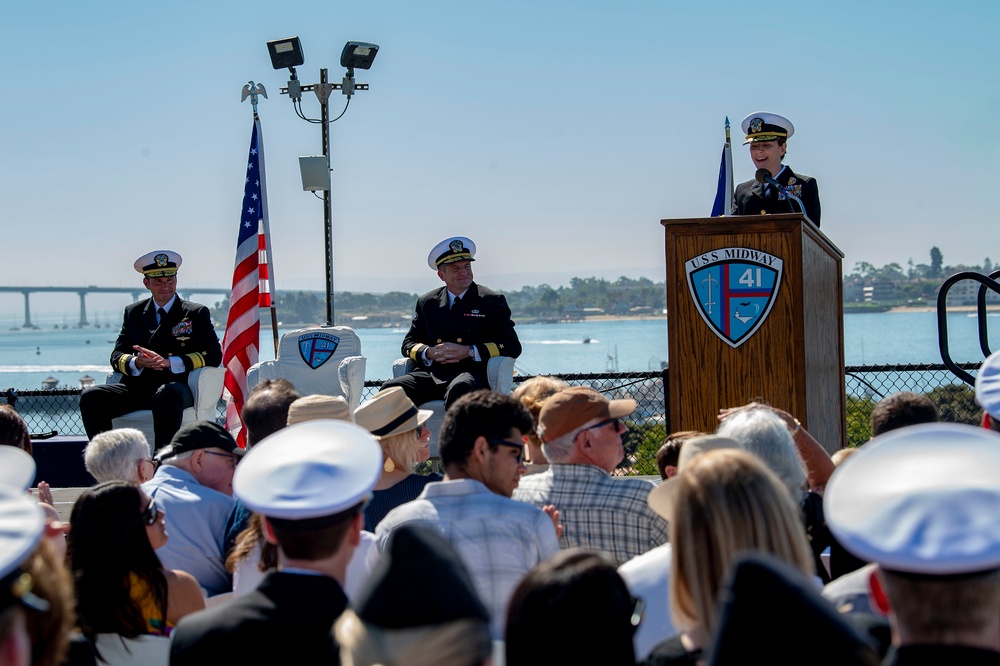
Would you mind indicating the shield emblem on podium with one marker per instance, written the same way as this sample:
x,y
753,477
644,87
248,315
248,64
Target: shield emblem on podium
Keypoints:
x,y
733,290
317,348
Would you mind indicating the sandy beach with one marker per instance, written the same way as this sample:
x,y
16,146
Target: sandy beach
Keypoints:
x,y
933,308
901,308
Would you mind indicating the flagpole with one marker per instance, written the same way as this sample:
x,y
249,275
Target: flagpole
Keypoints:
x,y
267,235
729,171
266,222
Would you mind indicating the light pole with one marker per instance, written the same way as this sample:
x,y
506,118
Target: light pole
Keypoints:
x,y
316,171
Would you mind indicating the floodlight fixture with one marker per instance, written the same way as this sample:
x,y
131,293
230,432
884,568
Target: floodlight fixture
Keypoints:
x,y
285,53
358,55
315,170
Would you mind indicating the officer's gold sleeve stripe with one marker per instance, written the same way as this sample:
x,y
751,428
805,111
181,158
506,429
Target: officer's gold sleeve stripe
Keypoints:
x,y
123,363
415,351
197,360
491,347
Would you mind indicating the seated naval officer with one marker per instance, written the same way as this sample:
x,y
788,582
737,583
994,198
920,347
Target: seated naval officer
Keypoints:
x,y
455,330
162,339
767,134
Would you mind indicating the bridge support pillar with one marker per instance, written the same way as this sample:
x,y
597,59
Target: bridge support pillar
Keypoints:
x,y
27,310
83,309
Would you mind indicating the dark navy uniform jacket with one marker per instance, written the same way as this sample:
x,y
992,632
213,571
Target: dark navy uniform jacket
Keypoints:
x,y
286,620
480,319
749,198
186,331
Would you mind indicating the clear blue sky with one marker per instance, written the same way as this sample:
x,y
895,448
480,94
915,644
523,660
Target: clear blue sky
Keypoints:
x,y
555,134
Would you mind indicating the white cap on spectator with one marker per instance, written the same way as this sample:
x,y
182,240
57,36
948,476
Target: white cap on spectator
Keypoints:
x,y
17,468
988,385
922,499
309,470
22,522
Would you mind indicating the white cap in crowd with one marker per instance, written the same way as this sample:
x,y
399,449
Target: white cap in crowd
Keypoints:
x,y
22,522
17,468
314,469
921,500
988,385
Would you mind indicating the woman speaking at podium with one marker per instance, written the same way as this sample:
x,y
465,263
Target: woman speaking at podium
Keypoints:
x,y
775,185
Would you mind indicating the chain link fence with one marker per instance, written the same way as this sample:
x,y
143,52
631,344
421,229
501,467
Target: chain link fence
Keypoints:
x,y
58,410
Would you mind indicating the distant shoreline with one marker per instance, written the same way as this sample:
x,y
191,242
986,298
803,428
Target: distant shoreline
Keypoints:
x,y
897,309
933,308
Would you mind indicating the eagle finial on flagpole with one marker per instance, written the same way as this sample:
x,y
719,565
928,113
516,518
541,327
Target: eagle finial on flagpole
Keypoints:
x,y
252,91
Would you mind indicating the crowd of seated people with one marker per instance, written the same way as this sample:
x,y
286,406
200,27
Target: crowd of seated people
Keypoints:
x,y
328,533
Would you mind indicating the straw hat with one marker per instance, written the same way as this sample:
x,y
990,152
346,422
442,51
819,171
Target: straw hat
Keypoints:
x,y
313,407
389,413
661,499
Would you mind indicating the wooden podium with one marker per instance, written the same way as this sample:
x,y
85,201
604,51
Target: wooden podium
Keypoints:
x,y
755,310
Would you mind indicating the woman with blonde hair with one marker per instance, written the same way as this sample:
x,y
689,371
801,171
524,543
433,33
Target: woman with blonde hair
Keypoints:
x,y
726,503
532,393
399,428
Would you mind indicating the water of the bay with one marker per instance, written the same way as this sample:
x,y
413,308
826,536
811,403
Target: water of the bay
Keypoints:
x,y
28,357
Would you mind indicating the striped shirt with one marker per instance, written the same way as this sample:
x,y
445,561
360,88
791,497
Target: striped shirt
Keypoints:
x,y
498,539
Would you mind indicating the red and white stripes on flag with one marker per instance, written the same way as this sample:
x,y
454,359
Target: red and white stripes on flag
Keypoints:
x,y
253,284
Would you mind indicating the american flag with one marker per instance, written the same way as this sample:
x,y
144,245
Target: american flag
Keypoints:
x,y
252,287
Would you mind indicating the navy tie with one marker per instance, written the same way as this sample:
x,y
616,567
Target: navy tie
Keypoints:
x,y
160,314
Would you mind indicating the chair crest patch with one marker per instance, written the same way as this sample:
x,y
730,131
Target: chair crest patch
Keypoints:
x,y
317,348
734,289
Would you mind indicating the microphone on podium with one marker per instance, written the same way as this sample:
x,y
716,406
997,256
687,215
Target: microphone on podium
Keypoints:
x,y
764,176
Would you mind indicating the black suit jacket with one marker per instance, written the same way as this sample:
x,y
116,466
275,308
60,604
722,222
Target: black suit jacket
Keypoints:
x,y
287,620
480,319
186,331
749,198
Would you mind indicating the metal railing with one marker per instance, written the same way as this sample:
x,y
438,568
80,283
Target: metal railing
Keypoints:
x,y
985,282
58,410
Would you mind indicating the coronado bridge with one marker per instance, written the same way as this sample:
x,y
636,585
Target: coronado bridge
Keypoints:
x,y
82,292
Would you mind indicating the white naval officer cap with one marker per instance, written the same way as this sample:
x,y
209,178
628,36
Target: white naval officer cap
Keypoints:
x,y
921,500
158,263
988,385
22,522
311,471
764,126
17,469
450,250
